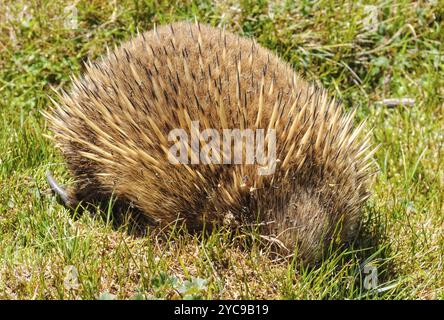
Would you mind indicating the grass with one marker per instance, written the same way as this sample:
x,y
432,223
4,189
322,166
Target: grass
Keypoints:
x,y
49,253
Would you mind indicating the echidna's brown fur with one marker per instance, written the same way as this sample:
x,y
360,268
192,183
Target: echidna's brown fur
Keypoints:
x,y
112,129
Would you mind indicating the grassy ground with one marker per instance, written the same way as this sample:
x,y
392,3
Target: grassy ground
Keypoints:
x,y
46,252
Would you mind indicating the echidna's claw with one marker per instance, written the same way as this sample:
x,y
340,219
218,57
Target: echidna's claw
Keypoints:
x,y
56,188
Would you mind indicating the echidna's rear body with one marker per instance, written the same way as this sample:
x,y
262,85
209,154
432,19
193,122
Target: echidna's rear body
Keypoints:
x,y
113,126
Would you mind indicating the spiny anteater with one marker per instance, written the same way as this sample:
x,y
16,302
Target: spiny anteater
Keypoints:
x,y
113,127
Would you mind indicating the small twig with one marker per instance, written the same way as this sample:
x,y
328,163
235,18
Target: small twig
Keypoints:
x,y
391,103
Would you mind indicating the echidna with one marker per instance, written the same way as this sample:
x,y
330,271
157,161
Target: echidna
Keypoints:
x,y
113,129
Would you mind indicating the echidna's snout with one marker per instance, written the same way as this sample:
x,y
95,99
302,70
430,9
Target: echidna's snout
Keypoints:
x,y
58,190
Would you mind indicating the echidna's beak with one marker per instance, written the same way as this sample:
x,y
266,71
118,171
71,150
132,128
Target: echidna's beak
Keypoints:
x,y
57,189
